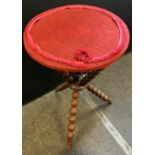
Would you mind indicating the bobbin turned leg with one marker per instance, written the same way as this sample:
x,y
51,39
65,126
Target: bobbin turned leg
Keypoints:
x,y
62,86
72,119
98,93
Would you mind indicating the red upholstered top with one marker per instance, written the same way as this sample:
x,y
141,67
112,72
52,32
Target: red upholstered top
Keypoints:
x,y
76,38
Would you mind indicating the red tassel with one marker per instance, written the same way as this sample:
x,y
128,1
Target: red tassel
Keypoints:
x,y
82,55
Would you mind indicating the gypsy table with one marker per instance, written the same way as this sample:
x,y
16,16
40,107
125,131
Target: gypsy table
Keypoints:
x,y
79,41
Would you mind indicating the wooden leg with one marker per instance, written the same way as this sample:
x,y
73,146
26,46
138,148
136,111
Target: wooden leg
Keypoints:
x,y
72,119
98,93
77,82
62,86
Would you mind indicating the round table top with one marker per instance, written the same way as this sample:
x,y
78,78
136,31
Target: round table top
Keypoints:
x,y
76,38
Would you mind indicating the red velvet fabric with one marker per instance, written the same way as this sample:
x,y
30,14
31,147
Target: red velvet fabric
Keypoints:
x,y
76,38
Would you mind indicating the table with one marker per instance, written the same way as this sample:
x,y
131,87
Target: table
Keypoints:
x,y
78,41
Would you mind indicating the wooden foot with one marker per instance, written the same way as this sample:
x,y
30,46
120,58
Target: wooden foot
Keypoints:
x,y
62,86
72,119
98,93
